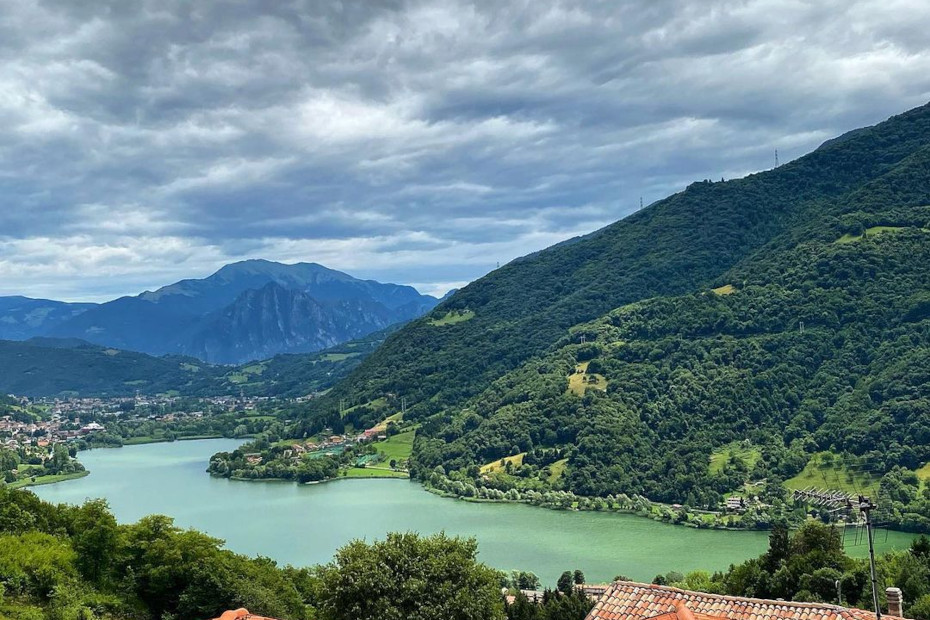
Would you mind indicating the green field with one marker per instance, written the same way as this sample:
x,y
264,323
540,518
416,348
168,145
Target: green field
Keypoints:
x,y
557,469
337,357
397,447
452,317
924,474
834,476
582,380
490,468
750,455
373,472
378,403
847,238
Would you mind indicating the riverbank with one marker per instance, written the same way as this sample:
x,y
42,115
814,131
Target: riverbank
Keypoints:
x,y
43,480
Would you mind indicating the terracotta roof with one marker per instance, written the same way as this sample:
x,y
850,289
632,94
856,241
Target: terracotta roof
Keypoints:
x,y
637,601
240,614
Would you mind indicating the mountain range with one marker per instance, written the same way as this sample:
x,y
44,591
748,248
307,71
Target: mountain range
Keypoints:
x,y
788,311
245,311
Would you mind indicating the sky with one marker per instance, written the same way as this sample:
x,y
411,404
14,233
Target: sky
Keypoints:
x,y
423,143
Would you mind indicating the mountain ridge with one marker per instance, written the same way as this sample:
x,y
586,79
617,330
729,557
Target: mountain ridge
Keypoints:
x,y
186,317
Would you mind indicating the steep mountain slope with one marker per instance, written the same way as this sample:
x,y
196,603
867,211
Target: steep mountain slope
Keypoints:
x,y
230,317
677,245
273,319
788,312
22,318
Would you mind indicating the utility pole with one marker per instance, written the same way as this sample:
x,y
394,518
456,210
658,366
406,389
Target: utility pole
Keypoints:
x,y
866,506
839,593
776,158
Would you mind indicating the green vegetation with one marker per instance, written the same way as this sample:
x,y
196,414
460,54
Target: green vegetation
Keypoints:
x,y
868,232
581,380
734,454
826,470
374,472
49,479
823,349
514,461
53,367
452,317
397,447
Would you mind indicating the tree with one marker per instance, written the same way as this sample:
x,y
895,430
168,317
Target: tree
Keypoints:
x,y
565,583
406,577
96,539
579,577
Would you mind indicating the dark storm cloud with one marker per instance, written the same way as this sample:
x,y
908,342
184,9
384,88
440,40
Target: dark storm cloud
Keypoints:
x,y
420,142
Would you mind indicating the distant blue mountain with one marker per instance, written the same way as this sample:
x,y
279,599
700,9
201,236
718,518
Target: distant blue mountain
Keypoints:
x,y
22,318
247,310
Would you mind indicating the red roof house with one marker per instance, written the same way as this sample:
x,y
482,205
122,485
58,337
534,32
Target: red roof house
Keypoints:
x,y
637,601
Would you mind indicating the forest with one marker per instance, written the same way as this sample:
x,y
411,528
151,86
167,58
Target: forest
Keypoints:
x,y
787,312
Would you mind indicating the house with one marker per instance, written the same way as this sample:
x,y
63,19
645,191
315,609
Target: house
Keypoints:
x,y
736,502
625,600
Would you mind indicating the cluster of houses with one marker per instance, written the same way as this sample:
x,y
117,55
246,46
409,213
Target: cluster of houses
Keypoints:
x,y
327,444
42,434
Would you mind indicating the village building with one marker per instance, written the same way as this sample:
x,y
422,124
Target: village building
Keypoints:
x,y
624,600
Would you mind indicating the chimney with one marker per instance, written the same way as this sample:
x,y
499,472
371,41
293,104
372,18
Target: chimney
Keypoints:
x,y
895,602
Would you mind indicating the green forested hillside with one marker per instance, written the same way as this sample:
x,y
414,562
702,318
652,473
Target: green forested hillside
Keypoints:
x,y
53,367
788,311
48,367
674,246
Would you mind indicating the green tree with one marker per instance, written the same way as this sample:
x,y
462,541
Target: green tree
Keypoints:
x,y
406,577
96,539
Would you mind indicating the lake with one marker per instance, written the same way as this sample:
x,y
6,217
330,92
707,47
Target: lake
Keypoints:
x,y
305,524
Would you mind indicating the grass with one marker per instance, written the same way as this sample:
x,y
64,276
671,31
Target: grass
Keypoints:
x,y
749,455
924,475
516,459
383,424
398,447
557,469
578,383
374,472
452,317
378,403
726,289
847,238
40,480
835,476
336,357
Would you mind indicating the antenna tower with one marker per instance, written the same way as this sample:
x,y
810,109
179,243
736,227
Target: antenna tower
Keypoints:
x,y
776,158
839,500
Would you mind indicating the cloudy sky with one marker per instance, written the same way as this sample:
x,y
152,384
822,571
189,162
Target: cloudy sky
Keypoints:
x,y
415,142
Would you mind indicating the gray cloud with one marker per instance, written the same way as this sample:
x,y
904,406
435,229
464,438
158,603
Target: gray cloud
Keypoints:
x,y
421,142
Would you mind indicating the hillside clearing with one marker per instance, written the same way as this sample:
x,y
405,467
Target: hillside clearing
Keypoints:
x,y
499,465
826,470
582,380
397,447
557,469
452,317
749,455
875,230
726,289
